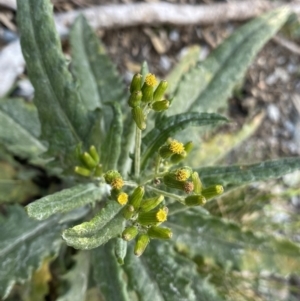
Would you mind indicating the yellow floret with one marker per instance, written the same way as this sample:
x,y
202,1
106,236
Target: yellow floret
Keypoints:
x,y
151,80
176,147
161,215
117,183
122,198
182,175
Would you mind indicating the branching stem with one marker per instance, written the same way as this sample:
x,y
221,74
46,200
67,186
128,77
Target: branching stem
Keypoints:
x,y
167,194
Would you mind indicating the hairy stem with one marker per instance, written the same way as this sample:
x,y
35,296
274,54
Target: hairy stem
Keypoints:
x,y
167,194
137,157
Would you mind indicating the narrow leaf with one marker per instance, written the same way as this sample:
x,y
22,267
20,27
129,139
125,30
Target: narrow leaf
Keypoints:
x,y
169,126
20,128
107,273
236,175
64,118
112,229
160,274
227,244
111,147
208,85
24,243
106,214
66,200
98,78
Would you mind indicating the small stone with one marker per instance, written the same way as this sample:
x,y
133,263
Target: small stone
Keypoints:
x,y
273,113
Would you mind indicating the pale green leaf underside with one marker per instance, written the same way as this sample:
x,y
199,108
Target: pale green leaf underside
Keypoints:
x,y
77,278
98,78
24,244
64,118
108,274
207,86
66,200
169,126
20,128
227,244
236,175
162,275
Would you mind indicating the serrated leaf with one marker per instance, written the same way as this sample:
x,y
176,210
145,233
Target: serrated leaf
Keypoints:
x,y
24,244
162,275
20,128
64,117
236,175
169,126
98,78
227,244
207,86
108,274
111,147
66,200
106,214
188,60
111,229
77,278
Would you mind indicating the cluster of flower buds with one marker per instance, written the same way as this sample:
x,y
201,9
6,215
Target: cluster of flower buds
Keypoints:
x,y
145,215
145,95
187,180
115,180
90,163
175,150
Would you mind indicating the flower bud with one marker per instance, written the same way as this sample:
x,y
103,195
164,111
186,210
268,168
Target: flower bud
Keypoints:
x,y
188,187
160,90
130,233
182,174
94,154
135,99
110,175
170,181
197,182
148,87
139,117
117,184
128,211
120,250
195,200
165,152
136,197
136,83
212,191
176,158
88,160
122,198
159,233
98,171
160,105
141,244
153,217
151,203
176,147
188,146
82,171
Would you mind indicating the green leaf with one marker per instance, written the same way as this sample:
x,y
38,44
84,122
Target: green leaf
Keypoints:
x,y
20,128
227,244
24,244
111,229
111,147
144,70
98,78
106,214
169,126
107,273
188,60
236,175
207,86
162,275
77,278
63,115
66,200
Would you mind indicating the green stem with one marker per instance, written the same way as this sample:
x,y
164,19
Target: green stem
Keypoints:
x,y
137,158
157,164
167,194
